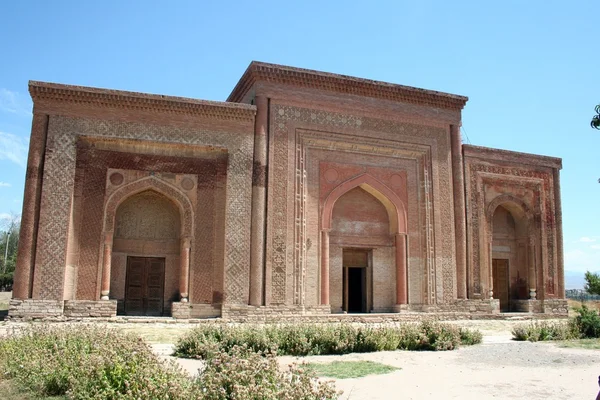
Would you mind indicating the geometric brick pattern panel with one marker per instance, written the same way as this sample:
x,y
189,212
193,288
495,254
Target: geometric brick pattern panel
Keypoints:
x,y
512,181
57,190
282,235
58,186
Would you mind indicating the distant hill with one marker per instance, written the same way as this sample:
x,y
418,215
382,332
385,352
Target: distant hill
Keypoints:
x,y
574,279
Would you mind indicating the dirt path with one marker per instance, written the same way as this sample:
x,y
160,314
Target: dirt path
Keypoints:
x,y
498,369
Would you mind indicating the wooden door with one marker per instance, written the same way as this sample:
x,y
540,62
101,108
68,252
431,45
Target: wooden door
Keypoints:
x,y
500,278
144,286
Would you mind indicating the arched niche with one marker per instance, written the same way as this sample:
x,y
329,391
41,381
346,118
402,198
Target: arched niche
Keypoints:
x,y
512,258
148,224
390,200
387,210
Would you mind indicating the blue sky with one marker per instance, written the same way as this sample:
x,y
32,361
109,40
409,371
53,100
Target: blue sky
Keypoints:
x,y
530,69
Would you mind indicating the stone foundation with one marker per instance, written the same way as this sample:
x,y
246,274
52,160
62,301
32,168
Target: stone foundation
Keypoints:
x,y
465,306
35,308
556,307
90,308
264,313
188,310
528,306
459,309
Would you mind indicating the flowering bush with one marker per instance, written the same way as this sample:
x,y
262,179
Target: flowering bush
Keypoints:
x,y
586,325
91,362
245,374
315,339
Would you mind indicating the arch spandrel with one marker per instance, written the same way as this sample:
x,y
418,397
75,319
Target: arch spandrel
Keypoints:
x,y
150,183
516,206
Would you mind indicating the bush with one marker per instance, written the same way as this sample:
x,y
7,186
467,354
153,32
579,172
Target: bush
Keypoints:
x,y
583,326
543,330
245,374
91,362
470,337
320,339
587,322
6,281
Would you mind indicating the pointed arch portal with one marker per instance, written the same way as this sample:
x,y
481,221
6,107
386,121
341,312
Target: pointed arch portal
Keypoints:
x,y
397,225
512,258
170,194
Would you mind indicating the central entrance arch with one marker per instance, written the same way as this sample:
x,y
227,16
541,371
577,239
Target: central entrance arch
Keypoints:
x,y
362,214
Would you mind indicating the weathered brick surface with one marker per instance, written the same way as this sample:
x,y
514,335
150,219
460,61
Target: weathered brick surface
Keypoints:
x,y
35,308
189,310
529,306
90,309
323,133
271,313
556,306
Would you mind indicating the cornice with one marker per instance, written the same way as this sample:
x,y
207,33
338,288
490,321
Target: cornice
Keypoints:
x,y
258,71
487,153
43,92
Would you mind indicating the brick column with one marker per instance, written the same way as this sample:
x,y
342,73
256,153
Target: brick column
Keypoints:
x,y
257,243
532,276
401,292
460,230
559,235
325,267
490,266
106,263
31,208
184,277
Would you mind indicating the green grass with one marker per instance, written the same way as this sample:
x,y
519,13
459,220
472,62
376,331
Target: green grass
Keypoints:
x,y
350,369
592,344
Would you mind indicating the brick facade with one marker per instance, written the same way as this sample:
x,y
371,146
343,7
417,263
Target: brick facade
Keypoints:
x,y
255,205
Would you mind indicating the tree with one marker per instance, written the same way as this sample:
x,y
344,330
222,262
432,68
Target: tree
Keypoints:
x,y
592,283
596,118
9,242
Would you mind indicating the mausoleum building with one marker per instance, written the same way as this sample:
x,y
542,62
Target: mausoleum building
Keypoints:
x,y
305,193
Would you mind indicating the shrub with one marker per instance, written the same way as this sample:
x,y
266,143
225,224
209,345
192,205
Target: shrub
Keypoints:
x,y
92,362
543,330
89,362
587,322
242,373
319,339
6,281
583,326
470,337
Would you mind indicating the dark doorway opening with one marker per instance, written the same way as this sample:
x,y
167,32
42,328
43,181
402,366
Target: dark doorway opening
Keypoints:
x,y
501,283
356,290
355,278
144,286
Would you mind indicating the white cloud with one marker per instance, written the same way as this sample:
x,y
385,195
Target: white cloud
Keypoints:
x,y
14,102
5,184
595,246
13,148
4,216
587,239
